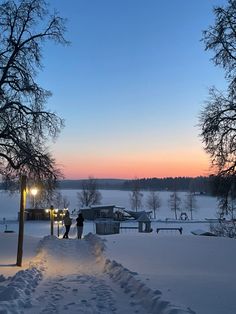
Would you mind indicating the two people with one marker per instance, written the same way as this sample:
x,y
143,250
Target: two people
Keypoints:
x,y
68,222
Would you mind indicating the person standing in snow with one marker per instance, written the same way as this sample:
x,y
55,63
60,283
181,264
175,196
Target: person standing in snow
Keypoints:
x,y
80,225
67,222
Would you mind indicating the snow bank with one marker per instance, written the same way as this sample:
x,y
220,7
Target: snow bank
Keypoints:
x,y
151,300
16,291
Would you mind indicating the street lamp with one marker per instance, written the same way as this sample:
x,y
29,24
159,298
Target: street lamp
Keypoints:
x,y
34,191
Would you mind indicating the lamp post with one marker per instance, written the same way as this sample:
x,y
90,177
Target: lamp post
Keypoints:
x,y
21,220
52,218
23,193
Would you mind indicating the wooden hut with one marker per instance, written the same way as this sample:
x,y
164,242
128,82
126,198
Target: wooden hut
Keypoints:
x,y
144,223
94,212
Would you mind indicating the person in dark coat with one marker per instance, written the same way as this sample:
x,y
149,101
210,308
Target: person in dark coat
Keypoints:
x,y
80,225
67,222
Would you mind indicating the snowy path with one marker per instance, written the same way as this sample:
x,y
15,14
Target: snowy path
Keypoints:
x,y
74,276
75,282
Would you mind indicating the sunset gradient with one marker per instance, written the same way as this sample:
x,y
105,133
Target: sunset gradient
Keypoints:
x,y
131,87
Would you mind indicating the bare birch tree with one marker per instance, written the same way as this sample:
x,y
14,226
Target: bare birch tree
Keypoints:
x,y
153,202
174,203
135,196
190,203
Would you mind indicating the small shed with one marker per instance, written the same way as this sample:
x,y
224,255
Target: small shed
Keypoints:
x,y
144,223
98,211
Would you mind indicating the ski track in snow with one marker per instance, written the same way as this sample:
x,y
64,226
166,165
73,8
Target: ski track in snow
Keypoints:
x,y
73,276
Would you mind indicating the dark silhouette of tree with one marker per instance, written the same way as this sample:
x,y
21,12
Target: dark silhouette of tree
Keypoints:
x,y
135,195
174,202
26,124
89,195
201,184
218,118
190,203
224,188
153,202
59,201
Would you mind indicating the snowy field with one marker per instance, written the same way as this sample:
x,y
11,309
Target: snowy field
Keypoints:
x,y
126,273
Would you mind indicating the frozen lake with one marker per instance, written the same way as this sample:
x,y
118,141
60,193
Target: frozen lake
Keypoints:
x,y
206,208
206,205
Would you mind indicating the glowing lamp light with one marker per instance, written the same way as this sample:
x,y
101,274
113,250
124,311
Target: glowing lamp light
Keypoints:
x,y
34,191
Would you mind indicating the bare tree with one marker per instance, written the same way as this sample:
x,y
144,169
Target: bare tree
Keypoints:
x,y
175,202
60,201
190,203
153,202
136,196
225,188
89,195
26,124
218,118
226,197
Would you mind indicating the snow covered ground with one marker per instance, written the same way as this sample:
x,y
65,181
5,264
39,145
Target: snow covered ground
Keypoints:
x,y
131,272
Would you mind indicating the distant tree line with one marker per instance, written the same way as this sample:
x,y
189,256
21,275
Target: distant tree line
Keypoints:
x,y
198,184
204,185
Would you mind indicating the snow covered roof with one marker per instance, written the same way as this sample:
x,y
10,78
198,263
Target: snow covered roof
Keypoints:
x,y
144,218
101,206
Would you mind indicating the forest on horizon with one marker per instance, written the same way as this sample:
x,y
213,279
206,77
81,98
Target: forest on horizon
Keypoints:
x,y
196,185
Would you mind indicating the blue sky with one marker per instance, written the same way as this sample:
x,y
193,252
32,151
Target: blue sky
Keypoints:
x,y
131,86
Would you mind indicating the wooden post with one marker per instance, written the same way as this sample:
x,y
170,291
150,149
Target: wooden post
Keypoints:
x,y
58,229
52,218
21,221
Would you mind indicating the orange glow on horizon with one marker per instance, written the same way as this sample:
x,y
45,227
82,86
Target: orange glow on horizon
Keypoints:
x,y
127,167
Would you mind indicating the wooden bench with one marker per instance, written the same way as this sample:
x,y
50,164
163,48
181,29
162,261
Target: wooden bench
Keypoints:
x,y
171,228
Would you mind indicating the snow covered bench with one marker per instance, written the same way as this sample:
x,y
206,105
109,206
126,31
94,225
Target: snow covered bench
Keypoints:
x,y
170,228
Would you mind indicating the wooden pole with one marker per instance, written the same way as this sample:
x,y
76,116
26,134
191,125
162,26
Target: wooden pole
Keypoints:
x,y
21,221
52,218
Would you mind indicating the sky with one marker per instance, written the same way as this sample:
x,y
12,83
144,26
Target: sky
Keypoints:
x,y
130,87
